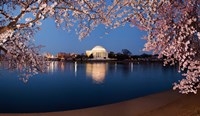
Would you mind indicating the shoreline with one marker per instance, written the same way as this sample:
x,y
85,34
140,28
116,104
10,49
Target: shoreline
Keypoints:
x,y
168,103
108,61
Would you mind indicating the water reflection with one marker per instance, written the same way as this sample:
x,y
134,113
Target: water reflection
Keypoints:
x,y
53,66
97,71
62,66
63,92
131,67
115,66
125,68
75,68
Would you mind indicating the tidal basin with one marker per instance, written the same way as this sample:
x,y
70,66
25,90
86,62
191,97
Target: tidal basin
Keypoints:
x,y
73,85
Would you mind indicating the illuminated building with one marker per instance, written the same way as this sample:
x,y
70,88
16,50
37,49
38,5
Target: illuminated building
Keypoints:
x,y
98,52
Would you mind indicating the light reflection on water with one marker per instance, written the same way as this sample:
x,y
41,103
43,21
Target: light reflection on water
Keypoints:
x,y
52,67
131,67
62,66
95,84
75,68
97,71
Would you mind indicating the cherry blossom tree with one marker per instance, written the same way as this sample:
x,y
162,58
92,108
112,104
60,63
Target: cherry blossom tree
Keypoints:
x,y
173,28
21,19
174,31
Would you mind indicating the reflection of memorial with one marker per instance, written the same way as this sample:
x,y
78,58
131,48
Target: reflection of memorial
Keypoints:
x,y
97,71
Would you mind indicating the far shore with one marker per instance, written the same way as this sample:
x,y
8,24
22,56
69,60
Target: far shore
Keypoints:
x,y
169,103
118,61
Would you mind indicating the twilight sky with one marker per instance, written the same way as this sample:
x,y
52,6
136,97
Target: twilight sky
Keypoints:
x,y
58,40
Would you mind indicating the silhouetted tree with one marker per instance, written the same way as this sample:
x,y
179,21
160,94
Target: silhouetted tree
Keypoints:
x,y
145,55
111,55
81,57
126,52
121,56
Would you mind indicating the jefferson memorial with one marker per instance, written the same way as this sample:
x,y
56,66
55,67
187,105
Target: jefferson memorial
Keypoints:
x,y
98,52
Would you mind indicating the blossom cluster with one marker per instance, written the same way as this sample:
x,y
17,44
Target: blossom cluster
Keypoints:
x,y
173,32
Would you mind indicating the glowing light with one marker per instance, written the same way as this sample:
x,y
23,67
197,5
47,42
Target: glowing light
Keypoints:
x,y
75,68
52,67
62,66
131,67
97,71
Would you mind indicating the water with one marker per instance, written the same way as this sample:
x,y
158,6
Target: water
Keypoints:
x,y
67,86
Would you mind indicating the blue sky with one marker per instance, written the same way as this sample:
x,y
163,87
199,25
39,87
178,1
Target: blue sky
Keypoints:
x,y
57,40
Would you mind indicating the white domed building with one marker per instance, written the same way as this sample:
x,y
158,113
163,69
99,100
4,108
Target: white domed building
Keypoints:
x,y
98,52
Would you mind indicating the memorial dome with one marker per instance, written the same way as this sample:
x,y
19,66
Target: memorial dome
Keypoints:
x,y
99,48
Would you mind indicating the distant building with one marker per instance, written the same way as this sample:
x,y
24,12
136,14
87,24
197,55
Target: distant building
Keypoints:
x,y
62,55
48,55
66,56
98,52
